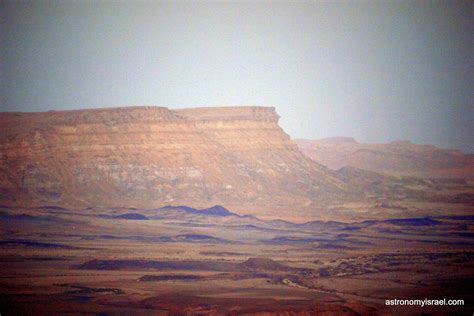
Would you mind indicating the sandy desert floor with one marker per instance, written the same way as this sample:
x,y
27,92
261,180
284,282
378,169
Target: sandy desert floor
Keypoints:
x,y
181,261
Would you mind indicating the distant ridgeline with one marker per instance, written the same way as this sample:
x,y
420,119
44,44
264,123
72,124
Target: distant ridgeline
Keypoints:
x,y
148,157
396,158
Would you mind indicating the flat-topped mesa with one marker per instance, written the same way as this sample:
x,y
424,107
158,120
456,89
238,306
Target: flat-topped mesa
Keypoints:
x,y
163,114
239,127
231,113
18,123
122,115
154,156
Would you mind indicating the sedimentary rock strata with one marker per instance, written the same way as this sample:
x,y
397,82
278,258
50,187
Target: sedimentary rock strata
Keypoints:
x,y
153,156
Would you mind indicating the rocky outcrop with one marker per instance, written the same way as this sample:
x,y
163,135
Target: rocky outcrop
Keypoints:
x,y
396,158
153,156
148,157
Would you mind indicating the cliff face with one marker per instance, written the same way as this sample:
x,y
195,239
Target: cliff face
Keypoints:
x,y
396,158
153,156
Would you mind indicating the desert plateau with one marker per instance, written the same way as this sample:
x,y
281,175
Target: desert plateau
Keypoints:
x,y
131,211
236,158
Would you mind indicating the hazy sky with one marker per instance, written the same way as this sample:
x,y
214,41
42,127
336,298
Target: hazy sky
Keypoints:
x,y
371,70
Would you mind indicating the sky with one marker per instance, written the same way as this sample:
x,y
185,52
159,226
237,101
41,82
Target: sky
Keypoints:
x,y
375,71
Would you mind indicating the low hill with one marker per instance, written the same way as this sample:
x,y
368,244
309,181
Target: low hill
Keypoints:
x,y
395,158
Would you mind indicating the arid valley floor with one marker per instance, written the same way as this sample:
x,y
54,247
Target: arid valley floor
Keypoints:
x,y
183,261
84,226
236,157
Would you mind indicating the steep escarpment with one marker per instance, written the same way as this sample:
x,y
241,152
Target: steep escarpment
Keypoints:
x,y
238,157
153,156
396,158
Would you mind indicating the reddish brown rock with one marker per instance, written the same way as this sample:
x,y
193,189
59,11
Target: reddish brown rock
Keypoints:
x,y
396,158
153,156
148,157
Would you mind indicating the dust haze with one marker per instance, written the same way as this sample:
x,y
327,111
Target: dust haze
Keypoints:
x,y
236,158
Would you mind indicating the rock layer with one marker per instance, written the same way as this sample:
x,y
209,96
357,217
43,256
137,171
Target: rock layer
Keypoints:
x,y
154,156
395,158
238,157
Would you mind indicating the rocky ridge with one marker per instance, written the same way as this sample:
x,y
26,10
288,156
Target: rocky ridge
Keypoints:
x,y
148,157
396,158
154,156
